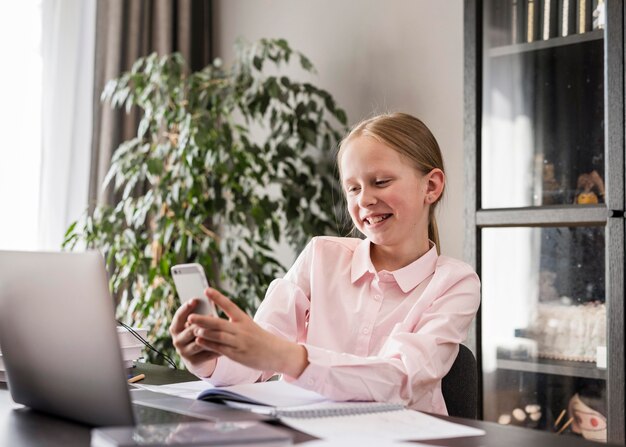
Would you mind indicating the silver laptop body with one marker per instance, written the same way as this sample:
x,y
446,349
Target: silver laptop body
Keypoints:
x,y
58,337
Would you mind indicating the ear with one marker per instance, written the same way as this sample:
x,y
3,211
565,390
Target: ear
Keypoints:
x,y
435,182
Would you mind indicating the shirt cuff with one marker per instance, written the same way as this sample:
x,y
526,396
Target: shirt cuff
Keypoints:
x,y
314,375
229,372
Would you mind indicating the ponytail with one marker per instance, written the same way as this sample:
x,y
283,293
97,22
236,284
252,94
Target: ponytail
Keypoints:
x,y
433,231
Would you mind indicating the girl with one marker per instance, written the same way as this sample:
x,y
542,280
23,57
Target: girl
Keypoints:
x,y
378,319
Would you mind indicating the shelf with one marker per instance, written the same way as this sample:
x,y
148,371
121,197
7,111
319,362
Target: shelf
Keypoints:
x,y
549,215
544,44
587,370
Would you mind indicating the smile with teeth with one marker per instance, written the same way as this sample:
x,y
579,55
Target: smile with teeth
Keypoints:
x,y
376,219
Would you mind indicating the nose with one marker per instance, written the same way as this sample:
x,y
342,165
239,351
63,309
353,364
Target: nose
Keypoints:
x,y
367,198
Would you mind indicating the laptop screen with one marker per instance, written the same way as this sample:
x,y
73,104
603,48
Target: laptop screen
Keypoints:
x,y
58,337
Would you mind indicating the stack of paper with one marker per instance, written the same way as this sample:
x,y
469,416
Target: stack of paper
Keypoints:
x,y
131,347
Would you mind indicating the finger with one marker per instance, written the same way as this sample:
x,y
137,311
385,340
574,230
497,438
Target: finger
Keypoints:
x,y
183,338
214,347
181,315
211,323
225,304
219,337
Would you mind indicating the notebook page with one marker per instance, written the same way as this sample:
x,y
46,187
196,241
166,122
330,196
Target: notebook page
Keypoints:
x,y
276,394
403,425
188,390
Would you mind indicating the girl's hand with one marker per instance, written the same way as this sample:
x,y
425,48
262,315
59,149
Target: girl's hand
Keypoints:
x,y
244,341
198,360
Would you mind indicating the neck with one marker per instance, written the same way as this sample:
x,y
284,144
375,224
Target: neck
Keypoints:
x,y
394,258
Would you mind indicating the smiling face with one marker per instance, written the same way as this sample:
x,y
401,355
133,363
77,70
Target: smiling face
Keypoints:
x,y
387,197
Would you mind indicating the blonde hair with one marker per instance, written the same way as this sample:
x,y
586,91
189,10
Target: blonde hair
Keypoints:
x,y
411,138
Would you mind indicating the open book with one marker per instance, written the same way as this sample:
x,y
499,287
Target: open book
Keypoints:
x,y
282,399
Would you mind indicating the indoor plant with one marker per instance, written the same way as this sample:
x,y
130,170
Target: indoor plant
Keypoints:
x,y
227,161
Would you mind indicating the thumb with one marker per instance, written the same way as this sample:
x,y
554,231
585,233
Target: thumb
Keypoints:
x,y
229,308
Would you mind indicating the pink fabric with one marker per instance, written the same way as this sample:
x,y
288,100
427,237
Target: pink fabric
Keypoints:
x,y
370,336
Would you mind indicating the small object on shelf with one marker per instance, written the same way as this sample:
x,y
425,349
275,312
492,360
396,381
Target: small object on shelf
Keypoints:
x,y
526,416
564,332
567,17
567,424
549,17
558,419
504,419
583,16
519,414
589,187
552,191
518,21
532,408
532,20
587,198
599,15
587,421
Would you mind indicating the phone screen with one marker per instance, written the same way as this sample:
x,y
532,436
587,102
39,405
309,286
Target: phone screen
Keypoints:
x,y
190,283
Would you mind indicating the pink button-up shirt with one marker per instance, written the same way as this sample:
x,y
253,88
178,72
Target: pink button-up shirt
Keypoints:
x,y
370,336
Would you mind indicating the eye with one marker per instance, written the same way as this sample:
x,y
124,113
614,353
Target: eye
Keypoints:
x,y
381,182
353,189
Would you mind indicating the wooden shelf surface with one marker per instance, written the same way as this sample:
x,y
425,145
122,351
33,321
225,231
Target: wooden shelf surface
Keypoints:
x,y
555,42
588,370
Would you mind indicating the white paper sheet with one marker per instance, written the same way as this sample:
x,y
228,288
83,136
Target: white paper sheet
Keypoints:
x,y
188,390
404,425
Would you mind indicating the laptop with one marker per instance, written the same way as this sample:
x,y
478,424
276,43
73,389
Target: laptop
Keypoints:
x,y
60,345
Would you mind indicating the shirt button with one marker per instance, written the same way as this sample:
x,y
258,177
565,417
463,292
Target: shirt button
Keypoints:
x,y
366,330
310,381
378,297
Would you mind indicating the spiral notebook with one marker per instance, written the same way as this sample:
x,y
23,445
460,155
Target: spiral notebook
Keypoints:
x,y
314,414
282,399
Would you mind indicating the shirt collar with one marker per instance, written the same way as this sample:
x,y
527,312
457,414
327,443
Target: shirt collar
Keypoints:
x,y
407,278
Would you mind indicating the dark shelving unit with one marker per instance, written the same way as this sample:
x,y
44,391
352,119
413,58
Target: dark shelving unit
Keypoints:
x,y
541,118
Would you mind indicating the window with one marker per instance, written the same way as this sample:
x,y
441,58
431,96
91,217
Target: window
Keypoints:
x,y
20,123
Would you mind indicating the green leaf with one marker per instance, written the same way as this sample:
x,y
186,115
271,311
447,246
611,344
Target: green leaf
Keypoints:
x,y
305,63
341,116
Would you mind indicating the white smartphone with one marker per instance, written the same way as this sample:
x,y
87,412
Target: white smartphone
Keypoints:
x,y
190,282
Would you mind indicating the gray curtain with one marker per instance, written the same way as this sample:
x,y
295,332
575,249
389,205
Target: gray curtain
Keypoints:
x,y
125,31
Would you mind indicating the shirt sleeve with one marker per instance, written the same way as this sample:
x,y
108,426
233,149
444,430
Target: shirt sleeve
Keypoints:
x,y
283,312
413,360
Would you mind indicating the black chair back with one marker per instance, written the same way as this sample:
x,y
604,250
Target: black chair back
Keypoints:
x,y
460,385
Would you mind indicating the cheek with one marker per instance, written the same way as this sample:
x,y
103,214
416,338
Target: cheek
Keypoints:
x,y
353,210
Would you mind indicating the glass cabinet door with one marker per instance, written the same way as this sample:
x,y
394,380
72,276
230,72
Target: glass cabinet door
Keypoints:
x,y
542,215
543,109
544,328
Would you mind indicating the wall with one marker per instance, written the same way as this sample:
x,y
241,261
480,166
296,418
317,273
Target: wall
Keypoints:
x,y
374,56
